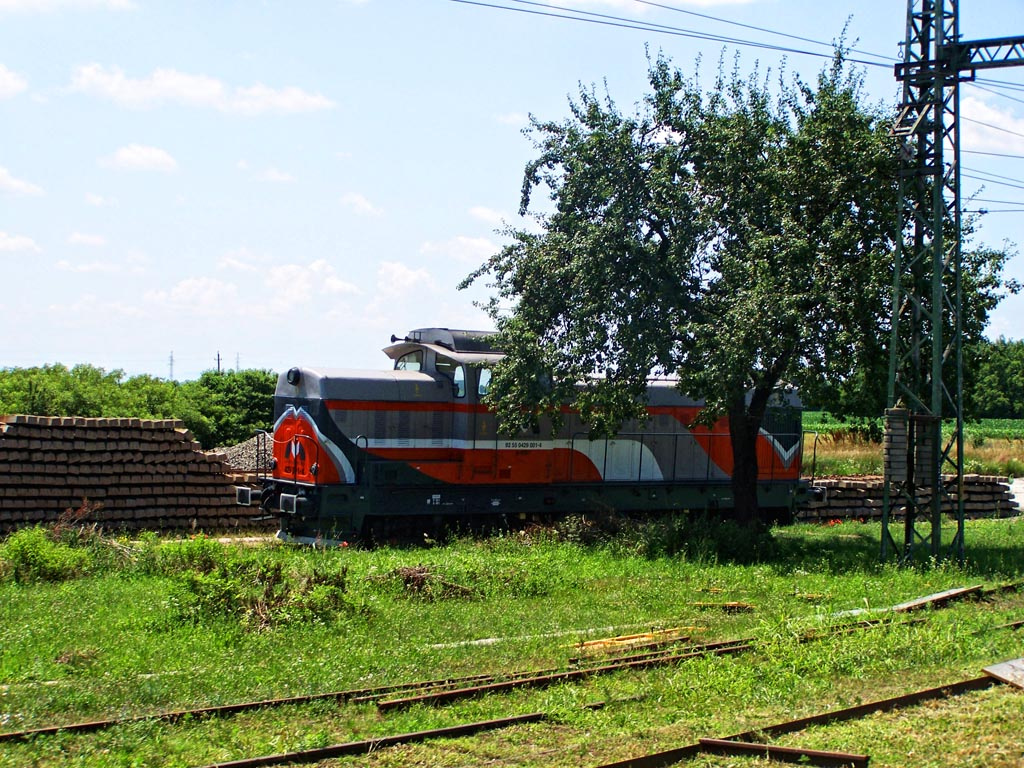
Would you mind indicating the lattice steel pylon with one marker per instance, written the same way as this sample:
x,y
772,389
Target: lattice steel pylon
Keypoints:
x,y
925,354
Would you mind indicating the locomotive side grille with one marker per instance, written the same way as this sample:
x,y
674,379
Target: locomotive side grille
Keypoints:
x,y
437,429
404,432
380,425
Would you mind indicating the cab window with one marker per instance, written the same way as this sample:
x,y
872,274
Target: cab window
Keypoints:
x,y
483,382
410,361
455,371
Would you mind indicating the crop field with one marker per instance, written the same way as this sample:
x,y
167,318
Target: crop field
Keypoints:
x,y
95,628
832,447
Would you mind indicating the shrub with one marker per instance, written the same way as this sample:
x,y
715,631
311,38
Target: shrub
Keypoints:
x,y
33,556
261,594
198,554
698,537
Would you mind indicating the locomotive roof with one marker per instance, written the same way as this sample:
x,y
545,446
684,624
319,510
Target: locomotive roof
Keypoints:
x,y
464,346
453,339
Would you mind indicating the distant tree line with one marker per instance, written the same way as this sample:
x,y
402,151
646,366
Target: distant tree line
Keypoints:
x,y
220,409
226,408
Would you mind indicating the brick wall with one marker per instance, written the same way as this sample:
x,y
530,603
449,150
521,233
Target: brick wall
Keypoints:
x,y
145,474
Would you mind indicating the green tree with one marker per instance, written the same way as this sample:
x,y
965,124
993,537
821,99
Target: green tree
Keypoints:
x,y
55,390
738,239
997,389
219,408
228,407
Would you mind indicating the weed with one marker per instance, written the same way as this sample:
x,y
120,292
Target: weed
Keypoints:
x,y
33,555
261,593
71,523
198,554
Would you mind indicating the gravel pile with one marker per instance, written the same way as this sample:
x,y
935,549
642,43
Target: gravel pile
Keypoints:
x,y
251,456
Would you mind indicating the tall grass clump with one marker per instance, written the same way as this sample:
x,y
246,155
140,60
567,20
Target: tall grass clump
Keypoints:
x,y
32,555
698,537
257,591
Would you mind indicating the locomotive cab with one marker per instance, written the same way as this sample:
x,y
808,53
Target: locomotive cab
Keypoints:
x,y
460,357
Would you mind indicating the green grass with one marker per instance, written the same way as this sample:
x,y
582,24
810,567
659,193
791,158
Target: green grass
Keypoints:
x,y
112,640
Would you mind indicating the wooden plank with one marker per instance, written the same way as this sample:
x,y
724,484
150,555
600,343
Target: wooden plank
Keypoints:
x,y
1011,672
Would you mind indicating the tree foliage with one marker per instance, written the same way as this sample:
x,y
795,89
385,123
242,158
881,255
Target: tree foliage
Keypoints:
x,y
997,385
738,238
219,408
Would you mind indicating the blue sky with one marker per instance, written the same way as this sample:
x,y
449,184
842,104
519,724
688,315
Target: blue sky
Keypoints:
x,y
292,182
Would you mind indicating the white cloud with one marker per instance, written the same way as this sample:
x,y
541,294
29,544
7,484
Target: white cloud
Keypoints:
x,y
204,296
81,238
171,86
360,205
301,282
92,266
11,83
17,186
30,6
487,215
513,118
277,176
99,200
468,250
980,126
89,308
259,98
16,243
396,279
136,157
242,260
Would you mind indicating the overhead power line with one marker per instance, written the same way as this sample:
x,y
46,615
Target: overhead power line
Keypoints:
x,y
998,84
997,202
1014,179
992,181
997,93
992,154
756,28
603,19
993,127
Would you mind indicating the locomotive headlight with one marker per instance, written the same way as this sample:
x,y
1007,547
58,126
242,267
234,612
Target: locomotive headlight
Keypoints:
x,y
293,376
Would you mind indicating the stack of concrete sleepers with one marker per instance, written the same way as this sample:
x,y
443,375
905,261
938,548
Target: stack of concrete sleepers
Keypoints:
x,y
133,474
861,499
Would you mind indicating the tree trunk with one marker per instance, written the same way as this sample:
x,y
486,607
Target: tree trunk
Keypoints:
x,y
744,425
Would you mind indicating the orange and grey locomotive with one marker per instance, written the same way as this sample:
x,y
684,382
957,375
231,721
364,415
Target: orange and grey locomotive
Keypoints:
x,y
364,454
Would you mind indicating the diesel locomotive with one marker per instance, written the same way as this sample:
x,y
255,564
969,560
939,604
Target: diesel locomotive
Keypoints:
x,y
358,455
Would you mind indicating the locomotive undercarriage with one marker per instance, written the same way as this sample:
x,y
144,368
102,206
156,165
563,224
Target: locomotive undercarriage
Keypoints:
x,y
336,515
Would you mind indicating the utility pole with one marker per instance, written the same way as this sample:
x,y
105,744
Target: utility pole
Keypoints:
x,y
170,375
218,362
925,353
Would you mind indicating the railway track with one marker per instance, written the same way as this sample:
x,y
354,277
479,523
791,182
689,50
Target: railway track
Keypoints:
x,y
454,687
664,652
448,689
749,743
